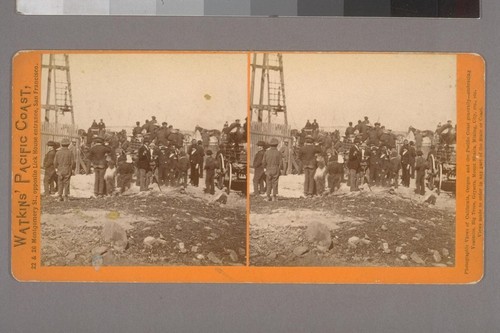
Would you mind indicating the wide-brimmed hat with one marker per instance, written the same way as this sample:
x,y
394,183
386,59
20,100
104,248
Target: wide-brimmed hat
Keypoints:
x,y
274,142
65,142
98,140
261,143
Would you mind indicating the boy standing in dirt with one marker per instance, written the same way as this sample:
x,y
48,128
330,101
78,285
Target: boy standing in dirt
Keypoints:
x,y
420,166
182,168
210,167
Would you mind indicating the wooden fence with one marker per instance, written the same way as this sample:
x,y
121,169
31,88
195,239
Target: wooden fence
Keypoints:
x,y
265,132
56,132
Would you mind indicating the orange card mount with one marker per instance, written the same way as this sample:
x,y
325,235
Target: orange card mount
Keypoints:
x,y
134,166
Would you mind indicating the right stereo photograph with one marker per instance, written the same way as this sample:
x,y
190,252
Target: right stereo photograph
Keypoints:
x,y
354,159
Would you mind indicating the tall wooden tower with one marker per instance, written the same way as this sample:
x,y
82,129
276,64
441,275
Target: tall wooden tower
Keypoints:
x,y
268,91
59,98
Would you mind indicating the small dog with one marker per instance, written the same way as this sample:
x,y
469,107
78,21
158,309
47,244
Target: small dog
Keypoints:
x,y
110,177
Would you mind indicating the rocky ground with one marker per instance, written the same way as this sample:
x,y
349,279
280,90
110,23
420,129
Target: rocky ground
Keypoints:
x,y
168,227
381,227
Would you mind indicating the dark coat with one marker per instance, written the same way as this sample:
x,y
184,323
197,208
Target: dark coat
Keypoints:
x,y
64,161
162,136
97,155
195,155
354,158
272,161
210,164
413,154
307,154
144,158
405,155
183,163
48,162
257,160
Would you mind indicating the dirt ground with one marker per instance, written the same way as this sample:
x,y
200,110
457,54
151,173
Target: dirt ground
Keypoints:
x,y
368,228
165,227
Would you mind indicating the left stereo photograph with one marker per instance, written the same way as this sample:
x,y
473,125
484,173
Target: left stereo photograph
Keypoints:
x,y
126,159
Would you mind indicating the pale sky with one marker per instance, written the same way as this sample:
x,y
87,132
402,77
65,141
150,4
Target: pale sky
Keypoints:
x,y
398,90
183,89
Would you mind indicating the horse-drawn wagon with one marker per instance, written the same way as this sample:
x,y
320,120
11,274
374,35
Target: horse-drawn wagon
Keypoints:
x,y
232,160
442,168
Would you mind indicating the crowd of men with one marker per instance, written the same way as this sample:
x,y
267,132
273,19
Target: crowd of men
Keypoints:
x,y
371,155
153,154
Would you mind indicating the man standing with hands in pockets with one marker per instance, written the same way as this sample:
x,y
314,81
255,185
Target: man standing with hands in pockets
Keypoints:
x,y
272,164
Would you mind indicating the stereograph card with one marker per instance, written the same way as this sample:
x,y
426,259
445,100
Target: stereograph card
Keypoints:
x,y
279,167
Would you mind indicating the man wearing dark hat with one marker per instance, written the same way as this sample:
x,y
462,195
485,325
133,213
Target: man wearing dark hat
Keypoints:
x,y
405,163
349,130
210,167
163,164
50,171
173,159
271,162
97,156
384,165
354,165
63,164
259,174
137,129
101,125
374,165
315,125
144,165
307,155
145,126
195,159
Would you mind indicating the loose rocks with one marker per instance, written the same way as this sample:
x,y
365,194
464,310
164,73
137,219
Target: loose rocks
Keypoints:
x,y
300,250
319,233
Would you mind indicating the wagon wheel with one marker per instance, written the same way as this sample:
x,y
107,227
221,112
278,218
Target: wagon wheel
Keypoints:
x,y
432,174
440,175
229,176
221,174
